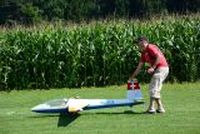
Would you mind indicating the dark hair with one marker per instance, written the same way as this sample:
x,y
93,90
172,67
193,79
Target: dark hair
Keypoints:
x,y
142,38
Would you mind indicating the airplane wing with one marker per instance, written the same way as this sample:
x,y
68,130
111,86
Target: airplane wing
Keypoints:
x,y
76,105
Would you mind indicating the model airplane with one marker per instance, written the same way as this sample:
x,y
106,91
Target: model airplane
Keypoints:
x,y
74,105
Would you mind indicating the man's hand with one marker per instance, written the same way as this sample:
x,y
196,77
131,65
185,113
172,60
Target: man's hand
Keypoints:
x,y
131,78
139,66
150,70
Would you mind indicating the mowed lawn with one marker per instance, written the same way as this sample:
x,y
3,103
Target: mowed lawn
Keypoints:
x,y
182,104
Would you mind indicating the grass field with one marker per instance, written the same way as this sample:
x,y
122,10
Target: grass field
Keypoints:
x,y
181,102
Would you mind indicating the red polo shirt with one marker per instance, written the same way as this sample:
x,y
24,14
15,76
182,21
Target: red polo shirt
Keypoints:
x,y
149,56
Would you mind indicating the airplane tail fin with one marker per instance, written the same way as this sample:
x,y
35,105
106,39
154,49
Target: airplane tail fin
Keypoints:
x,y
133,90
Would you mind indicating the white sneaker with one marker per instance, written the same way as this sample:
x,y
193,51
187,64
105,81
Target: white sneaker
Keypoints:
x,y
160,110
151,111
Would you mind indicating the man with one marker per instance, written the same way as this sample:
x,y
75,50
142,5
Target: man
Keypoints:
x,y
159,70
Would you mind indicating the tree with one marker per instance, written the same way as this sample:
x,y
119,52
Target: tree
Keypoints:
x,y
18,11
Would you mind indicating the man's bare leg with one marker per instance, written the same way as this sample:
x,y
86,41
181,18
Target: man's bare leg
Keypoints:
x,y
160,105
151,108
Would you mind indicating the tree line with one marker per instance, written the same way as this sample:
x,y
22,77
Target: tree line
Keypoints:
x,y
33,11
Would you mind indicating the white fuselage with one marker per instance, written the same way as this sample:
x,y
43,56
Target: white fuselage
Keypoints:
x,y
134,97
63,104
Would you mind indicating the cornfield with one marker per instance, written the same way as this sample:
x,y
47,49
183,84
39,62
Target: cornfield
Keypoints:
x,y
94,55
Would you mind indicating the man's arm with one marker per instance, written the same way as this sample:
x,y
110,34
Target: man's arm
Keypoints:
x,y
140,64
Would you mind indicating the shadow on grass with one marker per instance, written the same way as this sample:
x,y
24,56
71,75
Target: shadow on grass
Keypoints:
x,y
65,119
117,113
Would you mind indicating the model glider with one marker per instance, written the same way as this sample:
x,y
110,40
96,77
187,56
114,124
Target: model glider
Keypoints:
x,y
74,105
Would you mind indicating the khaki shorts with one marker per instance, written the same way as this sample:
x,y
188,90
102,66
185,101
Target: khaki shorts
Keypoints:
x,y
157,79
